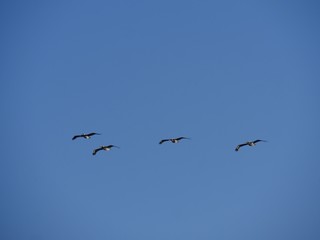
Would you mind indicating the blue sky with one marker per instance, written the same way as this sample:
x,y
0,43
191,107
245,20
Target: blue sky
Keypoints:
x,y
219,72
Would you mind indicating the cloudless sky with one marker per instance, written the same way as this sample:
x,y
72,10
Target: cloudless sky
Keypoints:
x,y
219,72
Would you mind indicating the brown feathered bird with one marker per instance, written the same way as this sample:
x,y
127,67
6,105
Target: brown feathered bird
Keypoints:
x,y
251,144
86,136
173,140
105,148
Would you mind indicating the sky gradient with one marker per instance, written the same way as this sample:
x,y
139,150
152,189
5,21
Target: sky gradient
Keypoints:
x,y
219,72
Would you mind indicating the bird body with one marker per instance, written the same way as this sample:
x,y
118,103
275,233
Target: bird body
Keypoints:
x,y
173,140
105,148
250,143
86,136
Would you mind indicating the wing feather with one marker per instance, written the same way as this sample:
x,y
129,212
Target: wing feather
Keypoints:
x,y
179,138
75,137
164,140
96,150
93,133
240,145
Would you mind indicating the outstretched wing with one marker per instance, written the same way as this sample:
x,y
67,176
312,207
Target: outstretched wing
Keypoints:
x,y
240,145
164,140
96,150
258,140
179,138
93,133
76,136
111,146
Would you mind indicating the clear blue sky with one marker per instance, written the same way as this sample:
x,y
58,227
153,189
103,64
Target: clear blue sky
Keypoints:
x,y
219,72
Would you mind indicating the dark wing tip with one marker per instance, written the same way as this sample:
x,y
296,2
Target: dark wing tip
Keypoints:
x,y
163,140
240,145
93,133
110,146
179,138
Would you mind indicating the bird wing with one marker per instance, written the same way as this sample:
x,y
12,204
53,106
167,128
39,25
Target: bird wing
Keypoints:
x,y
96,150
164,140
111,146
179,138
240,145
76,136
258,140
91,134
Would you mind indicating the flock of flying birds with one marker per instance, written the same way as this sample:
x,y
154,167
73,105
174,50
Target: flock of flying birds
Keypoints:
x,y
173,140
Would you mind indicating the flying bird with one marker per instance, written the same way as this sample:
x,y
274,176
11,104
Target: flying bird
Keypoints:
x,y
173,140
86,136
251,144
105,148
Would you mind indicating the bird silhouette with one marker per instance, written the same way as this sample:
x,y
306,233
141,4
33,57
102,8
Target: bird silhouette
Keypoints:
x,y
86,136
105,148
173,140
251,144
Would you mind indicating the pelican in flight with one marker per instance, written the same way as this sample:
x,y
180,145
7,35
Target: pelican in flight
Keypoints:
x,y
105,148
173,140
251,144
86,136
